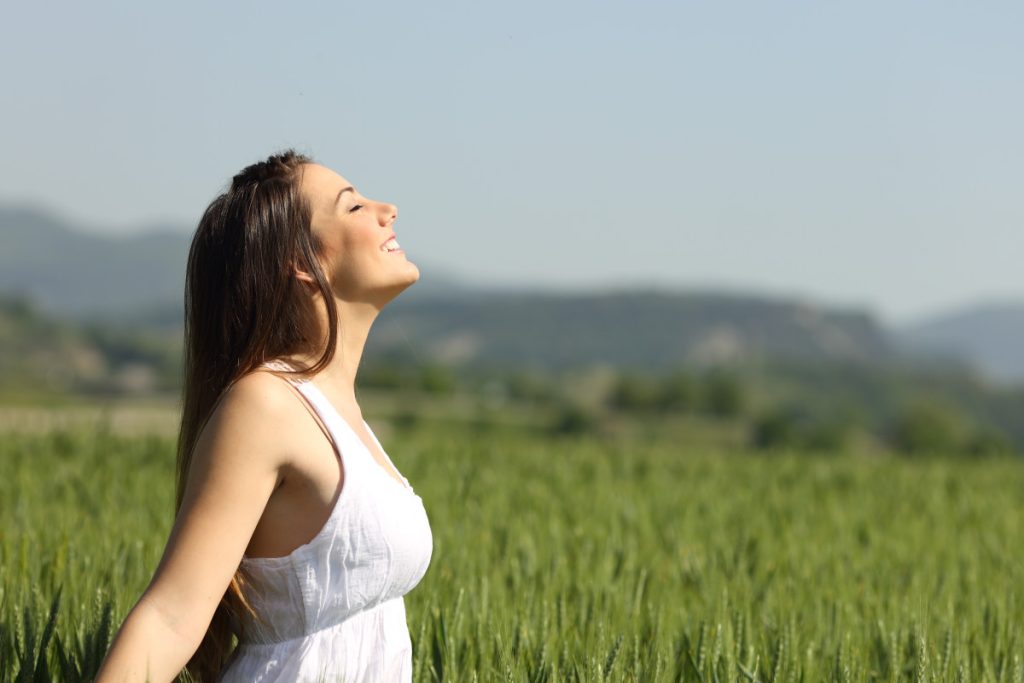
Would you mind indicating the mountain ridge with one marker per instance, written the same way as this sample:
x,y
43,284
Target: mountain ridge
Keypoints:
x,y
989,334
140,277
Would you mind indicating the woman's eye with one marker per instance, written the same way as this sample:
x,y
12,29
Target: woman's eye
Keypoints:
x,y
355,208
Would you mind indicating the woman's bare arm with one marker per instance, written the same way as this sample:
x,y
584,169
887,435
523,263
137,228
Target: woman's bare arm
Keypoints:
x,y
236,465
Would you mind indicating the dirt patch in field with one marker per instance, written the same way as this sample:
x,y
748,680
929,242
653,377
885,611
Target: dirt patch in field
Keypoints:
x,y
126,419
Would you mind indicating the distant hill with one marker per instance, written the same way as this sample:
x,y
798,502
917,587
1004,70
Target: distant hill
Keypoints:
x,y
639,329
41,355
990,336
73,273
138,281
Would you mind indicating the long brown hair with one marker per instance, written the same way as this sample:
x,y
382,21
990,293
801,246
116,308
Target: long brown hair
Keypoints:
x,y
244,306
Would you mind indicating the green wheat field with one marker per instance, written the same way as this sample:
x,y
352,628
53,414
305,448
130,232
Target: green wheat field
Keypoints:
x,y
581,558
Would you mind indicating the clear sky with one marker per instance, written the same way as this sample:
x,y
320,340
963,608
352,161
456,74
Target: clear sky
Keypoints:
x,y
865,154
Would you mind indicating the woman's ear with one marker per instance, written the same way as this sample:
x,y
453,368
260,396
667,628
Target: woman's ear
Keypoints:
x,y
303,276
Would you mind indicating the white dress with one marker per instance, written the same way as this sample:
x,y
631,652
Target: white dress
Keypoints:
x,y
333,608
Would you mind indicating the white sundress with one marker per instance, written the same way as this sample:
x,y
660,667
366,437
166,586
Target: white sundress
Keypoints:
x,y
333,608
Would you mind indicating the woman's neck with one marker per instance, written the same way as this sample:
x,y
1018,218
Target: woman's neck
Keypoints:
x,y
354,322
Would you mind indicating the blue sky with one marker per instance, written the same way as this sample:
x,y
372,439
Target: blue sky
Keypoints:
x,y
862,154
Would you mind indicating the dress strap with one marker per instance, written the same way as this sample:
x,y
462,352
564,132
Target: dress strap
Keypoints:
x,y
285,367
340,433
314,402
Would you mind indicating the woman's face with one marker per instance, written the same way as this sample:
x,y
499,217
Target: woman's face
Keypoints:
x,y
359,258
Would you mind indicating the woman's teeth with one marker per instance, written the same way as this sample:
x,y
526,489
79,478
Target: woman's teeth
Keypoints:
x,y
391,245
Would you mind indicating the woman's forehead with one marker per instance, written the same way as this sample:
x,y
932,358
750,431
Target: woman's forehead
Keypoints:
x,y
322,184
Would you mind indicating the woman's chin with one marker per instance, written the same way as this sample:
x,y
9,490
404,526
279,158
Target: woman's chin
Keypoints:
x,y
412,274
400,286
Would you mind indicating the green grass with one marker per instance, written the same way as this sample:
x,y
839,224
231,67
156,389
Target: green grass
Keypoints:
x,y
582,559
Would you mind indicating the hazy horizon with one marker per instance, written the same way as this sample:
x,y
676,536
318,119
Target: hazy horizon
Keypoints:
x,y
857,156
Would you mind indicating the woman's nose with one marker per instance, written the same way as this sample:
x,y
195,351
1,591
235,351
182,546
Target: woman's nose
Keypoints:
x,y
389,213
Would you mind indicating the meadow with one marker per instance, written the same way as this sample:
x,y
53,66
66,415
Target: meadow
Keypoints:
x,y
581,558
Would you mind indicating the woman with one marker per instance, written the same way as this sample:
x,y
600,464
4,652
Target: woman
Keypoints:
x,y
302,546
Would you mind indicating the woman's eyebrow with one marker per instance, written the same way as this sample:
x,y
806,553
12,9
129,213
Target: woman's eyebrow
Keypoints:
x,y
341,192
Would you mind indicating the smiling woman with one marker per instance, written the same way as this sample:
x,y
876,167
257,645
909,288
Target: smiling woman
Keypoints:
x,y
294,532
353,231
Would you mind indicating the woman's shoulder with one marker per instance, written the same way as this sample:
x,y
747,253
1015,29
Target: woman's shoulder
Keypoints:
x,y
261,392
248,419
